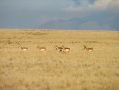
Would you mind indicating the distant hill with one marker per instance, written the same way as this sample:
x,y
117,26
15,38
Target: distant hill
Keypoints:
x,y
93,22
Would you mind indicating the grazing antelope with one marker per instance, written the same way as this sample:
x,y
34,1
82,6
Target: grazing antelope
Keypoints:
x,y
66,50
63,49
42,49
24,48
88,49
59,49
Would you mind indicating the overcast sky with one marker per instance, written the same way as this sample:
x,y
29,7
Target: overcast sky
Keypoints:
x,y
65,14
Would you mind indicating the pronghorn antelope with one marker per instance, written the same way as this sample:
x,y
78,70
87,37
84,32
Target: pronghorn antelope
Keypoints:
x,y
59,49
24,48
66,49
88,49
62,49
42,49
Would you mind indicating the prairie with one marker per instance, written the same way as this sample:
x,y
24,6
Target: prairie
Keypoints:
x,y
29,60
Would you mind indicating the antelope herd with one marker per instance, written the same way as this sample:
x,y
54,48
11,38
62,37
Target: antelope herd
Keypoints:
x,y
60,49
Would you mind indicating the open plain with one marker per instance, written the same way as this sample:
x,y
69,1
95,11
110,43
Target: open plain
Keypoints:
x,y
58,60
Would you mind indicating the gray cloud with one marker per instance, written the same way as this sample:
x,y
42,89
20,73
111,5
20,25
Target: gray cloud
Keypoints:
x,y
79,2
91,1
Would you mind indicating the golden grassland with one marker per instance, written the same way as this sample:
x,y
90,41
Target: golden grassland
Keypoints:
x,y
78,69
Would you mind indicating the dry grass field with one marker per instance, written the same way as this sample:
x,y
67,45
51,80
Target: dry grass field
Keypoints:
x,y
29,60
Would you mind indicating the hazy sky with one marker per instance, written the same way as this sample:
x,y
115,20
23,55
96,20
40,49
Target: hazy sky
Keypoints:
x,y
64,14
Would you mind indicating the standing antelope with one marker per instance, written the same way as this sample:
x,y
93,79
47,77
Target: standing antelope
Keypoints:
x,y
42,49
24,48
88,49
